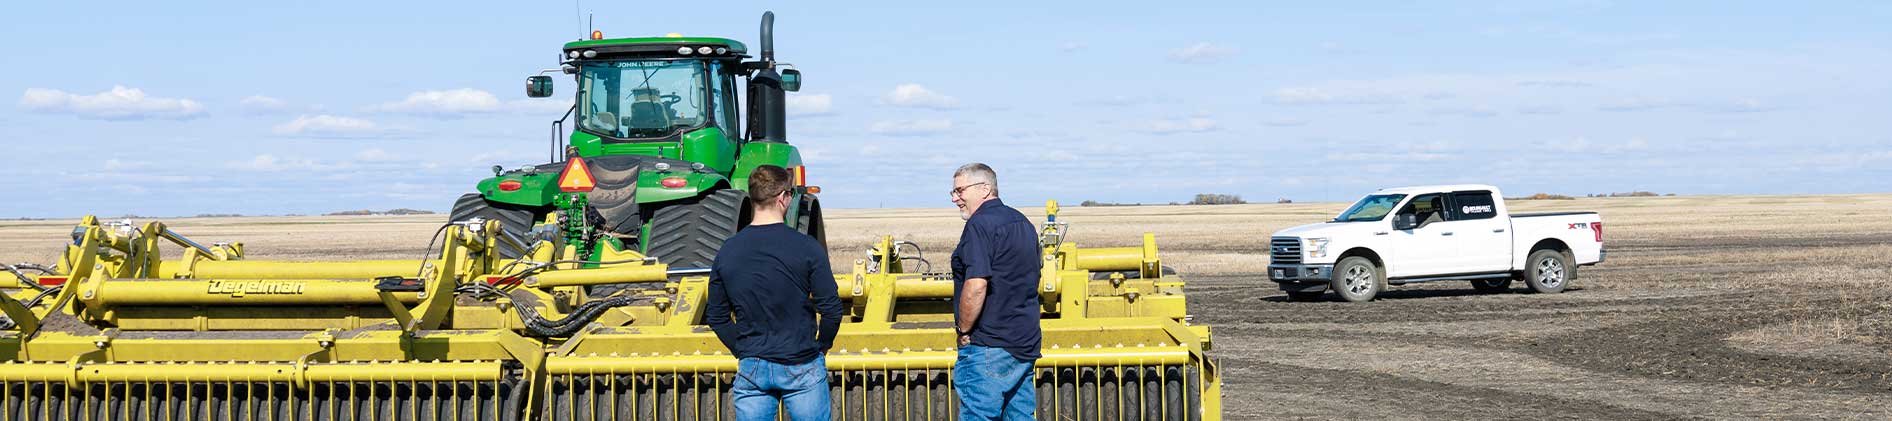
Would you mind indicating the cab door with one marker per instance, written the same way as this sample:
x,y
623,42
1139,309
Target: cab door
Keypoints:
x,y
1426,249
1482,232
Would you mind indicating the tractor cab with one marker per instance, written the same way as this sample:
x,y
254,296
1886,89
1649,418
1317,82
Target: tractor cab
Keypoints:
x,y
672,96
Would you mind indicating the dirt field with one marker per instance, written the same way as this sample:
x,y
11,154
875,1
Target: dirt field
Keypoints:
x,y
1712,307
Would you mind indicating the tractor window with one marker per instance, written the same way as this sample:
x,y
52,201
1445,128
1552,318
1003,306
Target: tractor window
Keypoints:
x,y
723,109
642,99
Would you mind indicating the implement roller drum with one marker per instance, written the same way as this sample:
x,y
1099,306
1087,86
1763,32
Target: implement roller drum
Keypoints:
x,y
1129,392
341,400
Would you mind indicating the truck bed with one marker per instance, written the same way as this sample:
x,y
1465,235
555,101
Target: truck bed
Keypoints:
x,y
1536,214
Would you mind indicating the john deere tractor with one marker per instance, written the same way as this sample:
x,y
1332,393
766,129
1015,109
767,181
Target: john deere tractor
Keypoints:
x,y
656,124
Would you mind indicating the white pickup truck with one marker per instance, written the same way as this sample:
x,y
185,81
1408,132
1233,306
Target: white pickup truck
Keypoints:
x,y
1433,233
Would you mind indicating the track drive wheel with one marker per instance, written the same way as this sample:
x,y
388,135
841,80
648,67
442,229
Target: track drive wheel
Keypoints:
x,y
515,220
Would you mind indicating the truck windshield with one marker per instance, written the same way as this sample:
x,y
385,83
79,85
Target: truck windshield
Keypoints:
x,y
641,99
1371,208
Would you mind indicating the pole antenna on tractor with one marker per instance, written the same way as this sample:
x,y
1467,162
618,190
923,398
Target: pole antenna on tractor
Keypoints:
x,y
578,12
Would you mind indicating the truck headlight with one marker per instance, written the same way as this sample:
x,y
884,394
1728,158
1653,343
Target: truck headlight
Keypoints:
x,y
1315,247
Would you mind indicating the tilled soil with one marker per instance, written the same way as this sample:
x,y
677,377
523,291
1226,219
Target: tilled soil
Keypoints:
x,y
1609,349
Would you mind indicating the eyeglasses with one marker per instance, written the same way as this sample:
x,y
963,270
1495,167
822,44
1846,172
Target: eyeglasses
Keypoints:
x,y
961,190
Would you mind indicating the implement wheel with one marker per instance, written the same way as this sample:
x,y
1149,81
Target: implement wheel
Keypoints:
x,y
514,220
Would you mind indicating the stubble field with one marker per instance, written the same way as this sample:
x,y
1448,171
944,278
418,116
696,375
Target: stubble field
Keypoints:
x,y
1711,307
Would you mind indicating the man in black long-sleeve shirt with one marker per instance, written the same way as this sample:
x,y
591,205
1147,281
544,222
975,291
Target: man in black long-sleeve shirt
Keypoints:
x,y
772,280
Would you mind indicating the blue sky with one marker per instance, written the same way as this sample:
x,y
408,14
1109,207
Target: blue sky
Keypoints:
x,y
181,108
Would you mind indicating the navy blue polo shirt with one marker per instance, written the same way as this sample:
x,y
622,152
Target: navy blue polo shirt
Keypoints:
x,y
1000,245
773,280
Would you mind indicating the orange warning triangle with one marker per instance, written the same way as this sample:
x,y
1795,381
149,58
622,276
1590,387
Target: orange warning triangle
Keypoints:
x,y
577,178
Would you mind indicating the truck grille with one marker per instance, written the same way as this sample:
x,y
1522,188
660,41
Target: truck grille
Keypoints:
x,y
1285,250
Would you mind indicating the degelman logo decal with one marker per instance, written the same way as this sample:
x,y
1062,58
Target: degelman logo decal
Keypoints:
x,y
240,288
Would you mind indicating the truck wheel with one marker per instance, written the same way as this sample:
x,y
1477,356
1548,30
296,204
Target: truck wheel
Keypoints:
x,y
1305,296
1357,280
1492,285
1548,271
514,220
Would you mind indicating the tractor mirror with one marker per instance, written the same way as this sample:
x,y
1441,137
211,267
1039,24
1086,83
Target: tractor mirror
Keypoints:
x,y
791,80
539,86
1405,221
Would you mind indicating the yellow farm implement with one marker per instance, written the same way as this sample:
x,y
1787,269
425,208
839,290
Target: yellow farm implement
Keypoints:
x,y
112,331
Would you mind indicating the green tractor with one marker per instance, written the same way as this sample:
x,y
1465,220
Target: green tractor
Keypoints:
x,y
657,126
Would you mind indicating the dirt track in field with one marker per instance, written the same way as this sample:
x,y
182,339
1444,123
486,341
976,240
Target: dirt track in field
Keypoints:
x,y
1709,307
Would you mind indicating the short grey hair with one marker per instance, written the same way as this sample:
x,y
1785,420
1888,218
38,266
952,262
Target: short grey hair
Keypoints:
x,y
978,172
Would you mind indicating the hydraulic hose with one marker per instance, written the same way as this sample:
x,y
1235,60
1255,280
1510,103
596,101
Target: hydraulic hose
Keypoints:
x,y
27,280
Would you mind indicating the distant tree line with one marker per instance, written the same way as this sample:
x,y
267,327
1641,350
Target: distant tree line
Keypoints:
x,y
1201,199
365,212
1548,196
1217,199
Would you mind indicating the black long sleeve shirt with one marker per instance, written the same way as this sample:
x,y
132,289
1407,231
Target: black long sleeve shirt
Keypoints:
x,y
766,287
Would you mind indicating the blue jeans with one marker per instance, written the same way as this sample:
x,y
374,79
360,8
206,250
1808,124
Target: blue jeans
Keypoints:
x,y
762,385
992,384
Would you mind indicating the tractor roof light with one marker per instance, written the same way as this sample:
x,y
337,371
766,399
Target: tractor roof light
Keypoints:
x,y
683,50
597,35
590,53
703,50
721,50
572,54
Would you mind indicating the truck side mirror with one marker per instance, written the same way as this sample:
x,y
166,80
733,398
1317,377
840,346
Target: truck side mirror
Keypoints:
x,y
1405,221
791,80
539,86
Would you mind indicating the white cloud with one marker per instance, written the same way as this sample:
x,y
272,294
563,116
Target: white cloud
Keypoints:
x,y
1637,104
324,125
374,155
258,104
1072,46
1185,125
271,163
1480,111
117,164
916,96
451,103
1585,145
118,104
911,127
1128,100
1201,52
810,104
1323,96
1742,106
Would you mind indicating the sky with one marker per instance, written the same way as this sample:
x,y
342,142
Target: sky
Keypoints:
x,y
186,108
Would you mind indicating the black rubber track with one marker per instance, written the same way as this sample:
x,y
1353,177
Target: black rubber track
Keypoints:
x,y
515,220
809,220
687,234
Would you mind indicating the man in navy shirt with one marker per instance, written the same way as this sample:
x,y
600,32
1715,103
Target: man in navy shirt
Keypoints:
x,y
766,286
995,292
